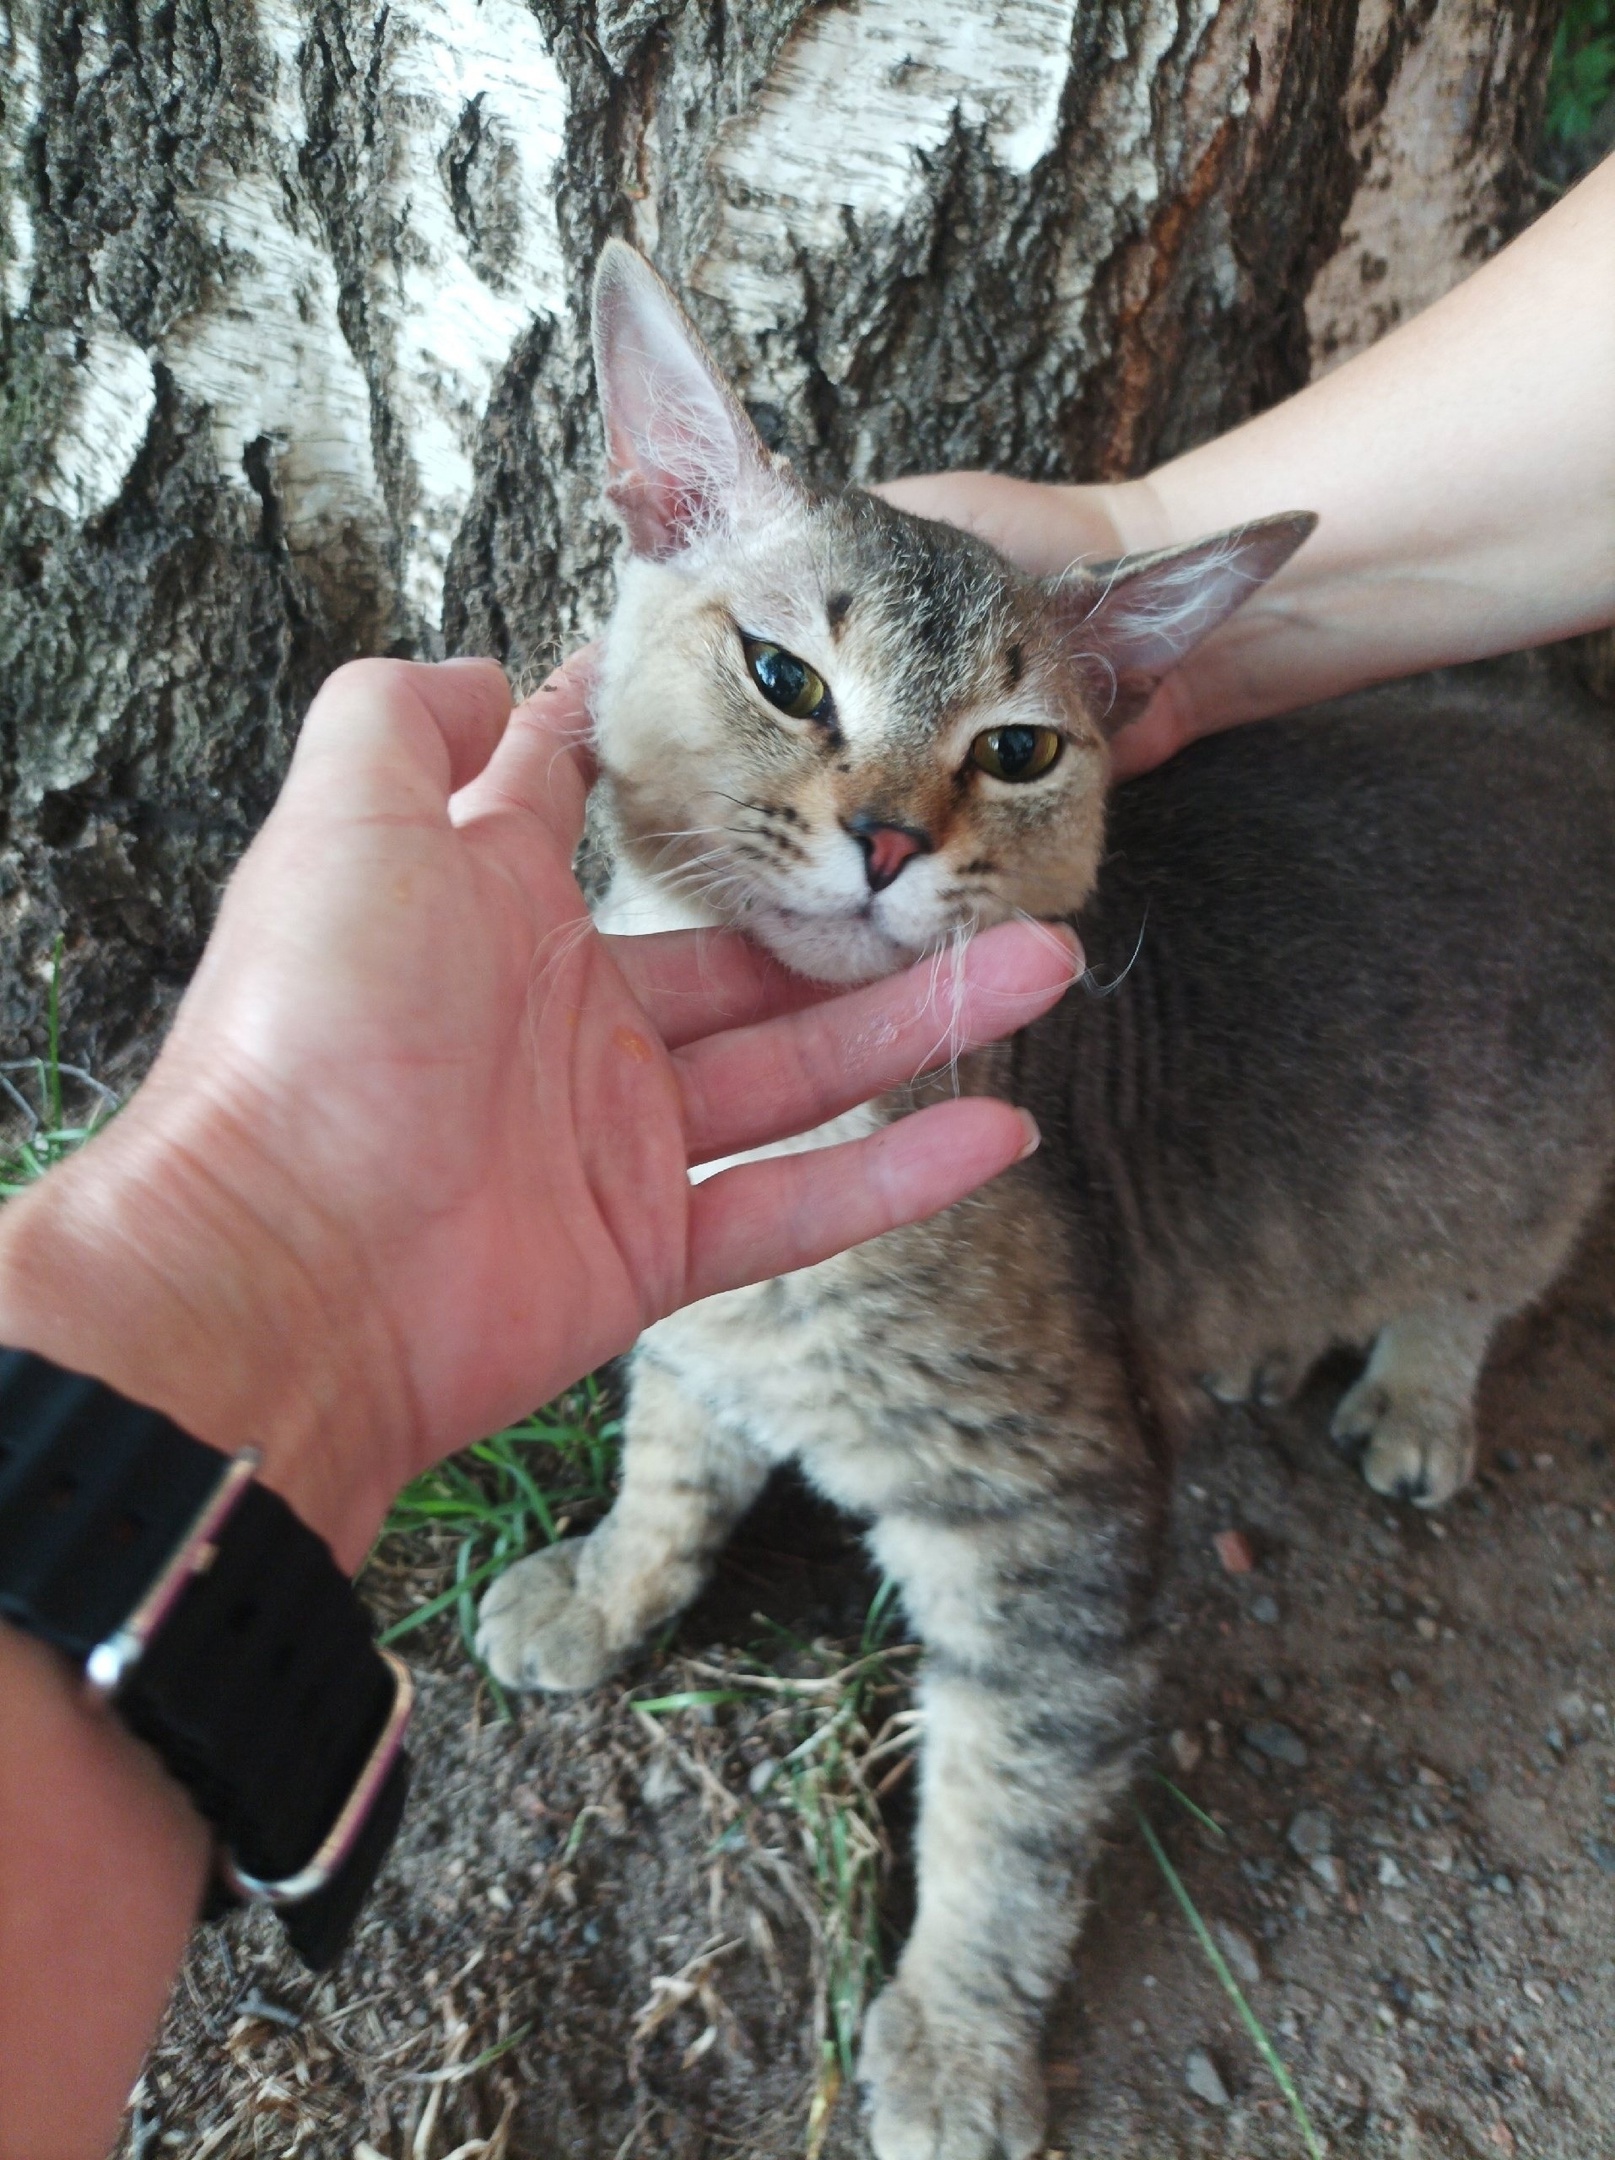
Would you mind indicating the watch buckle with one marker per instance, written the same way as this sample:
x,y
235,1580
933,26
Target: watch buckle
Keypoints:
x,y
339,1841
111,1662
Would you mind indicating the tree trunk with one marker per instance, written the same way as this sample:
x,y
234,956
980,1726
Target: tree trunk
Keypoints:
x,y
293,351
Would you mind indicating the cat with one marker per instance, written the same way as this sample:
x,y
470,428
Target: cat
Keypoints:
x,y
1354,1081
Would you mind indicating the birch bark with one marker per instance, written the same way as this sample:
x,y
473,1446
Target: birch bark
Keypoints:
x,y
291,328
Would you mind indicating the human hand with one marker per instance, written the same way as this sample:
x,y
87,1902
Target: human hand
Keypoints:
x,y
416,1152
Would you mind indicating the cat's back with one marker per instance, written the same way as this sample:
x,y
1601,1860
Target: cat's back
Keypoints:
x,y
1375,946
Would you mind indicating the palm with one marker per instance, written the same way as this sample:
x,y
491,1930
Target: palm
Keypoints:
x,y
444,1065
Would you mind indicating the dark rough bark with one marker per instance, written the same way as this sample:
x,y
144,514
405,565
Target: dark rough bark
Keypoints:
x,y
292,352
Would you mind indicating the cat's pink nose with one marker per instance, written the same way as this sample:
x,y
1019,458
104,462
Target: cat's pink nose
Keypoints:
x,y
886,847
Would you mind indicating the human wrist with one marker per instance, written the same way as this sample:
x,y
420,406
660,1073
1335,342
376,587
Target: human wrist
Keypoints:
x,y
165,1262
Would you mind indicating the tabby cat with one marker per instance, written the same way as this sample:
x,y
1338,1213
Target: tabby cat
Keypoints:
x,y
1357,1085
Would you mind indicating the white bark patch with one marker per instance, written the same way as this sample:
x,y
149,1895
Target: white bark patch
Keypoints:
x,y
267,352
859,96
19,108
465,278
1429,161
452,286
103,424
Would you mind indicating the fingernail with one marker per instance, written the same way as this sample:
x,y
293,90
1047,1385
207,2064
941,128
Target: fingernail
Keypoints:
x,y
1033,1140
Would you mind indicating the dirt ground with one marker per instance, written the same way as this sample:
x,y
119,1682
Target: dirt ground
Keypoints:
x,y
1421,1706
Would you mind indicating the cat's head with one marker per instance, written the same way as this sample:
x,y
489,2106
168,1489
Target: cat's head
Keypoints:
x,y
850,731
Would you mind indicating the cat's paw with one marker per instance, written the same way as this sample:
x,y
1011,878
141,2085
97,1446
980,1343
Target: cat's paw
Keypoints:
x,y
535,1628
949,2082
1416,1446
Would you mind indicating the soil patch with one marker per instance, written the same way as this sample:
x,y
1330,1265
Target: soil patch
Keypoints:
x,y
1405,1726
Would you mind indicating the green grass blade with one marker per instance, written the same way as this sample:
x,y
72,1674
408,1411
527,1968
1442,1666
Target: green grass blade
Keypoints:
x,y
53,1022
1219,1965
443,1602
1199,1813
691,1699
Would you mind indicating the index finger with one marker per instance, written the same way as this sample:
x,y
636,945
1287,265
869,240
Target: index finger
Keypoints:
x,y
544,765
445,718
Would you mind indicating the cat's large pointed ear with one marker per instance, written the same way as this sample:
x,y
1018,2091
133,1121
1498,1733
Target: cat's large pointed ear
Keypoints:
x,y
683,458
1129,622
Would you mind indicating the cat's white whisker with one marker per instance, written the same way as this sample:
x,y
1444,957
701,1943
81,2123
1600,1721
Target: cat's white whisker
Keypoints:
x,y
1047,936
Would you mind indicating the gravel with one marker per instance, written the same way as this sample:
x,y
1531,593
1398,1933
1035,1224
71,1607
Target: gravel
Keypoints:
x,y
1203,2079
1311,1832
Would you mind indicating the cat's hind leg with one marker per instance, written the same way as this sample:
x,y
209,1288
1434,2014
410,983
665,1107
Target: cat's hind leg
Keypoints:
x,y
568,1616
1413,1410
1034,1697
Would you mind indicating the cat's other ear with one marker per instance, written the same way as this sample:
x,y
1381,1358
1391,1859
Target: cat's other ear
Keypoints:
x,y
682,457
1127,623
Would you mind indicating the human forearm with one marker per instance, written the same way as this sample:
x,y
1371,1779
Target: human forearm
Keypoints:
x,y
102,1861
102,1856
1463,471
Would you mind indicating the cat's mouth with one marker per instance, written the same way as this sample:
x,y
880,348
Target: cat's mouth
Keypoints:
x,y
845,947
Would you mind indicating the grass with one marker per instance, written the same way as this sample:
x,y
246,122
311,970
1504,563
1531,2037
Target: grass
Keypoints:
x,y
1582,78
1219,1965
36,1091
844,1747
520,1488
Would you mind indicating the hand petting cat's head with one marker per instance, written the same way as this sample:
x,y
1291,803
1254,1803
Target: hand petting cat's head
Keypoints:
x,y
849,731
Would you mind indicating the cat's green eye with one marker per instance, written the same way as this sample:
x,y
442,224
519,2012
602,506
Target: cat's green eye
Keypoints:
x,y
788,683
1015,753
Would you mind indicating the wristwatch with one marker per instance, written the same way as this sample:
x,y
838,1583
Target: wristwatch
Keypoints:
x,y
219,1628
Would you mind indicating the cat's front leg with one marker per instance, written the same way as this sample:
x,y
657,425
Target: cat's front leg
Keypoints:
x,y
1034,1698
566,1617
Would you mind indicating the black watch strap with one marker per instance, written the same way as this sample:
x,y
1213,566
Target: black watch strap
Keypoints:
x,y
220,1628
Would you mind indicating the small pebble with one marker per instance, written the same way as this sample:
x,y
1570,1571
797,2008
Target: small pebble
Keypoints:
x,y
1270,1686
254,2005
1201,2076
1329,1872
1543,1461
1602,1854
1389,1873
1311,1832
1425,1629
1503,1885
1265,1609
1233,1549
1239,1950
1401,1682
1185,1748
1278,1743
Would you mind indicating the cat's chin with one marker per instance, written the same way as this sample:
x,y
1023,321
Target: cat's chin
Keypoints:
x,y
839,949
